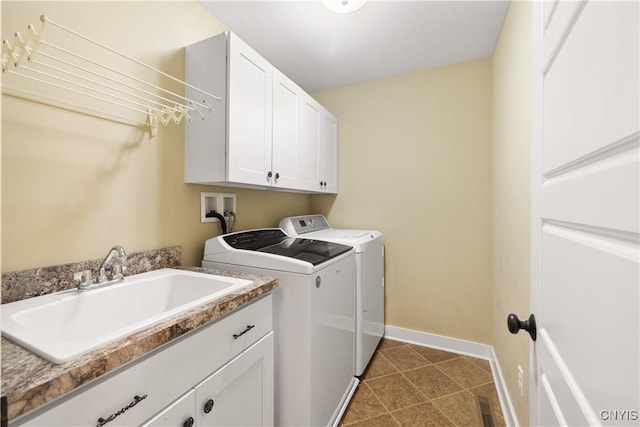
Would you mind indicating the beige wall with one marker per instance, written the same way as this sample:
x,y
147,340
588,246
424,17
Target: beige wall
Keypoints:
x,y
415,163
74,185
511,196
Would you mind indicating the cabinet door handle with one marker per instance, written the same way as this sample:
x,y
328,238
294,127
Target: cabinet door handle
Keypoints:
x,y
249,327
277,175
208,406
269,174
136,399
189,422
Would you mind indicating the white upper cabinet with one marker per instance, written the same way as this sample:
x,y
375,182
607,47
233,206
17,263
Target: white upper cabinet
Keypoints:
x,y
287,153
249,112
329,153
319,148
310,144
265,133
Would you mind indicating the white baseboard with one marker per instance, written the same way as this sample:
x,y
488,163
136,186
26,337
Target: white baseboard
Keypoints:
x,y
501,388
468,348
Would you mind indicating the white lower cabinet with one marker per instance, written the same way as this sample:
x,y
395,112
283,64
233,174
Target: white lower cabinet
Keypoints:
x,y
238,394
230,362
241,392
179,413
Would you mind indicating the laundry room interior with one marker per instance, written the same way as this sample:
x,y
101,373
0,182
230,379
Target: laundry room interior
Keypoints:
x,y
438,160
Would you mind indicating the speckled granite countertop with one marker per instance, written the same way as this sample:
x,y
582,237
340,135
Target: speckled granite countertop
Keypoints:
x,y
29,381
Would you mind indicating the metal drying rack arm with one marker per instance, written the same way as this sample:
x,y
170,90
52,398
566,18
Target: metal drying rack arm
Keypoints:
x,y
158,108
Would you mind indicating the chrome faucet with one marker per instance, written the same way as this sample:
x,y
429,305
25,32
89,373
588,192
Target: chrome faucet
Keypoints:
x,y
105,274
102,270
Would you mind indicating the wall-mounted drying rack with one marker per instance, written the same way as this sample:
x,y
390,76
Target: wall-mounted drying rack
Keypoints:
x,y
84,83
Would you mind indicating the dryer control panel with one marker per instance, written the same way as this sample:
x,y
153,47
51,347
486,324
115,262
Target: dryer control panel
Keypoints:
x,y
297,225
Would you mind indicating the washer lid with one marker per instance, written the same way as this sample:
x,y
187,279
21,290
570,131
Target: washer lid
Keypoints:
x,y
275,241
253,240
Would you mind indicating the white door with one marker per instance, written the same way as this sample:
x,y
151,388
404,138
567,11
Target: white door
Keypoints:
x,y
585,214
287,124
250,115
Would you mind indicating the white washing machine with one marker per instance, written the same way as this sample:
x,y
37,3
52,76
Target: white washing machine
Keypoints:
x,y
369,248
314,318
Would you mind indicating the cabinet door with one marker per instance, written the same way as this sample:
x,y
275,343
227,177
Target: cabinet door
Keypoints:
x,y
329,152
287,123
310,144
241,392
180,413
249,115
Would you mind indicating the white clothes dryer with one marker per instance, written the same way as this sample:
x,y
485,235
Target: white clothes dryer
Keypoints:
x,y
369,247
314,318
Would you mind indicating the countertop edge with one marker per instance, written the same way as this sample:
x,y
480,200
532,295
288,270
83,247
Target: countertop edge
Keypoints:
x,y
29,381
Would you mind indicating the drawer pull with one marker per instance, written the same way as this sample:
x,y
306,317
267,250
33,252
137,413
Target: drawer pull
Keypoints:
x,y
189,422
249,327
136,399
208,406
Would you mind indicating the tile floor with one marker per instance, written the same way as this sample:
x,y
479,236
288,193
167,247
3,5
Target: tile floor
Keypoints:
x,y
410,385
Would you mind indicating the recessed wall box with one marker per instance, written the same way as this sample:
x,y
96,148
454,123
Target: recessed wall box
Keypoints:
x,y
219,202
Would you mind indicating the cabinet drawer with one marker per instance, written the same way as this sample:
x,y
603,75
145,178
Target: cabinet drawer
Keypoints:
x,y
161,377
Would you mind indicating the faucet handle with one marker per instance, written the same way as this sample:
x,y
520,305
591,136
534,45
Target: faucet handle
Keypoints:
x,y
83,277
101,275
116,271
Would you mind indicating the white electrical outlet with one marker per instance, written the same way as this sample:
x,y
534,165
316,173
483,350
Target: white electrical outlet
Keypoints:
x,y
521,381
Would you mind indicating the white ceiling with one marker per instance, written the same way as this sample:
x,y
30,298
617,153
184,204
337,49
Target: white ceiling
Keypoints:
x,y
319,49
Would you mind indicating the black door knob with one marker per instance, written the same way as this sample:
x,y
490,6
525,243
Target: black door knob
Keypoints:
x,y
528,325
277,175
208,406
189,422
269,174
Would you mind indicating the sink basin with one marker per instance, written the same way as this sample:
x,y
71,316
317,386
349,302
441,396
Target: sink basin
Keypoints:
x,y
64,325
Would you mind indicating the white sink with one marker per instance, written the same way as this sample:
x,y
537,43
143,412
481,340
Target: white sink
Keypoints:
x,y
64,325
